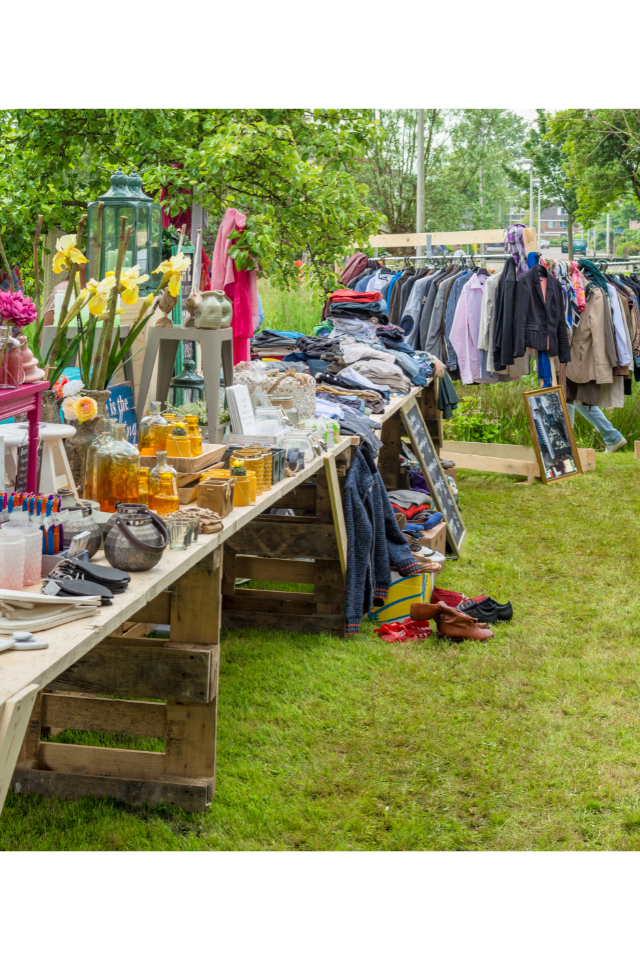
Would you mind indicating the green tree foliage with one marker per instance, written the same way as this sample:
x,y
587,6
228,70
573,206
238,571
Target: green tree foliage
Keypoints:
x,y
291,172
603,147
457,144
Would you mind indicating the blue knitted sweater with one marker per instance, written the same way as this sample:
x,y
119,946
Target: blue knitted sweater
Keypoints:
x,y
375,542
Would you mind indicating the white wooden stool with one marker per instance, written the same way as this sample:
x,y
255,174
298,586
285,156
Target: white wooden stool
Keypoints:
x,y
55,471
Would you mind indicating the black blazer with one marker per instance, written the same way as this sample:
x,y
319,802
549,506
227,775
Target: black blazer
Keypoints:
x,y
538,323
504,307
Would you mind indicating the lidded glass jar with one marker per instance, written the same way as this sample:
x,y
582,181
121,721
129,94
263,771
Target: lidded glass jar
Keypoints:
x,y
32,537
153,431
117,468
90,489
164,500
143,486
194,436
11,372
161,467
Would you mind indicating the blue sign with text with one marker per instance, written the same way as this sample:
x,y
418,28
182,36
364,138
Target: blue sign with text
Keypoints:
x,y
120,405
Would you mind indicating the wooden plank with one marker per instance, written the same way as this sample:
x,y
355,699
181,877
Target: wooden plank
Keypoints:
x,y
101,761
193,795
450,237
190,741
336,510
14,721
320,623
135,717
157,611
389,455
271,601
33,735
286,541
267,568
195,604
302,498
167,672
517,465
329,587
636,448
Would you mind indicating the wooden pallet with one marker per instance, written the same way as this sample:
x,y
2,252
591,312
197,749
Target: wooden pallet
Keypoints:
x,y
504,458
181,672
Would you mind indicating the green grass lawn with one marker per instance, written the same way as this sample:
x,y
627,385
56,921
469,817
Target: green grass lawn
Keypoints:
x,y
531,741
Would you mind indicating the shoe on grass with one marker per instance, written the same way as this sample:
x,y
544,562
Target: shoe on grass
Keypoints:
x,y
611,448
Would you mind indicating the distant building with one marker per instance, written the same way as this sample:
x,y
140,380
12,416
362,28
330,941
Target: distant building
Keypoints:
x,y
553,223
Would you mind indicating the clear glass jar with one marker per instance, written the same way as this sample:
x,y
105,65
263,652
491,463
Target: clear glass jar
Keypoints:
x,y
164,500
11,372
117,468
161,467
90,489
153,431
32,536
194,436
12,551
143,486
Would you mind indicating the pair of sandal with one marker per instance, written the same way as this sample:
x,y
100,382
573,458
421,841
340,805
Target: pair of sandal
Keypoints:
x,y
451,623
403,630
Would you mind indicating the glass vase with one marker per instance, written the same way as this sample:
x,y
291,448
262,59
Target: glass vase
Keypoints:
x,y
117,469
143,486
90,486
11,372
161,467
194,436
12,550
164,500
153,431
32,536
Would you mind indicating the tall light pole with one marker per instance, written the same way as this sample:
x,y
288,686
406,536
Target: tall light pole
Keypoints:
x,y
420,184
485,123
537,183
528,165
608,227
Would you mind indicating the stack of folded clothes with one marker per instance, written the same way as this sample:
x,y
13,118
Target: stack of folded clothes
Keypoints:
x,y
267,342
385,372
417,507
357,313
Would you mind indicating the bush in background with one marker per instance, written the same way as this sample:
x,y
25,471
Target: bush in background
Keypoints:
x,y
296,309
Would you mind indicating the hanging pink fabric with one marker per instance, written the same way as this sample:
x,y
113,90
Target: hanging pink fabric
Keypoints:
x,y
240,286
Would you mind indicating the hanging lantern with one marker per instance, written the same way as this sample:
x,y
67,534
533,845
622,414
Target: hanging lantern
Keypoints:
x,y
187,387
125,198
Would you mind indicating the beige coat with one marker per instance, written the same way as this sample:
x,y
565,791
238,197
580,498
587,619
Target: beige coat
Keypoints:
x,y
593,352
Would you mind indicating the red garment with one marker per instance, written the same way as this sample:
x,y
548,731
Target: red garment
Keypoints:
x,y
205,272
410,511
353,297
450,597
240,286
356,263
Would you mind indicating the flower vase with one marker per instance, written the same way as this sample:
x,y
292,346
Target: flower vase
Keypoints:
x,y
85,434
50,412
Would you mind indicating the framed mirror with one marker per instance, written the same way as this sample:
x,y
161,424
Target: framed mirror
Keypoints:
x,y
552,434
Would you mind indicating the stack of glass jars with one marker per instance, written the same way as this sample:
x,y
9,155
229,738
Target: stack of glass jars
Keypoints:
x,y
154,429
117,469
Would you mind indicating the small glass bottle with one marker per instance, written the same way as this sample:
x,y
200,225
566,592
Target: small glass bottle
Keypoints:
x,y
164,500
117,468
194,436
143,486
90,466
153,431
161,467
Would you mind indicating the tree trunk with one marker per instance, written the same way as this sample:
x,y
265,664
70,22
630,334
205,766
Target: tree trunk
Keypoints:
x,y
570,236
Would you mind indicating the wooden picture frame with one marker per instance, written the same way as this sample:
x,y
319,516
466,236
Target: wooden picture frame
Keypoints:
x,y
557,451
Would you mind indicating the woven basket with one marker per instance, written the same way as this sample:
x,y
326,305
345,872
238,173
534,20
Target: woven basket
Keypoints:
x,y
300,386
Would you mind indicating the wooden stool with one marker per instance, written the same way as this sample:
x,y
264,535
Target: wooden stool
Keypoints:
x,y
217,349
55,471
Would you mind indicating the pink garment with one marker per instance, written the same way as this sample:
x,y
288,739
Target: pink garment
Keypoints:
x,y
240,286
575,278
466,328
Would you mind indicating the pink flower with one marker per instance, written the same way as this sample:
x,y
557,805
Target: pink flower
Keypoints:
x,y
17,309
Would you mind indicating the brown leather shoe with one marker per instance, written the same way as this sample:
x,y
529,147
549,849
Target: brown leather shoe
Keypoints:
x,y
425,611
456,631
402,520
435,611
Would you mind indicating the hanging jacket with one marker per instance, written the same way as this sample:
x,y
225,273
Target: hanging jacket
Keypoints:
x,y
539,321
593,352
374,541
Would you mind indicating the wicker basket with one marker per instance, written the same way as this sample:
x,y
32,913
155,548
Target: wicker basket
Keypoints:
x,y
299,386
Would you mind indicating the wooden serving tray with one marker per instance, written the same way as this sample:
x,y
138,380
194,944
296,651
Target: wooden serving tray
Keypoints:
x,y
211,453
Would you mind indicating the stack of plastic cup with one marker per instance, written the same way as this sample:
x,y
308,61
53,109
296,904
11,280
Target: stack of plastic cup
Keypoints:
x,y
32,548
12,550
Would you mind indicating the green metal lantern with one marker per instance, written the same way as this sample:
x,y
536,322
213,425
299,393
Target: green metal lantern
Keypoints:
x,y
187,387
125,198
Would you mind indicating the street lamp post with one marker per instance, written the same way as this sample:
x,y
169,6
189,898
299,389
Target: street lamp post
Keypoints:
x,y
420,183
485,123
538,183
528,165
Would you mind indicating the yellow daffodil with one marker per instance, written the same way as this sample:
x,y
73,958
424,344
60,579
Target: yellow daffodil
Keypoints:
x,y
67,253
100,291
130,281
173,268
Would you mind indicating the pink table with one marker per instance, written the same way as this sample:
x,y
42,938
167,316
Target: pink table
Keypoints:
x,y
26,399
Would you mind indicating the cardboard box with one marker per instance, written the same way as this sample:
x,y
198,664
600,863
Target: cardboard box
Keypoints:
x,y
436,538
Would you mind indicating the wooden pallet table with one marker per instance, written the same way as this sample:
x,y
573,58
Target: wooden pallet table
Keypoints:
x,y
92,664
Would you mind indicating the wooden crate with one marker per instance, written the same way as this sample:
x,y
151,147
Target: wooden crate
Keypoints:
x,y
181,672
211,453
